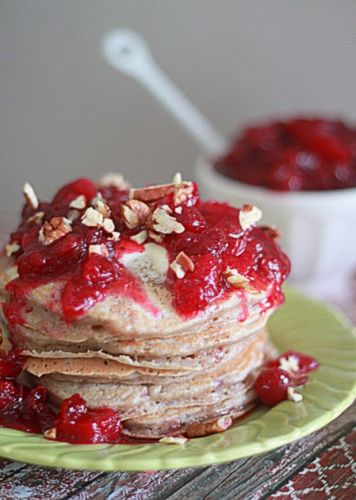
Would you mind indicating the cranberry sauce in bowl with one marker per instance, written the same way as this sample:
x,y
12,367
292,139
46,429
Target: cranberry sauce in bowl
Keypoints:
x,y
299,154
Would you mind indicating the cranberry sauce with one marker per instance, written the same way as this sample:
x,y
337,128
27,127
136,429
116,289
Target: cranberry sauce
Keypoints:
x,y
277,380
28,410
79,238
21,408
301,154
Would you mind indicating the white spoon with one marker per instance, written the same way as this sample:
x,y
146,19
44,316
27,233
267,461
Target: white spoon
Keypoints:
x,y
127,51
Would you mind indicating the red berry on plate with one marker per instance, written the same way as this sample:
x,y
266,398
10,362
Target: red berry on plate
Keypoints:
x,y
272,385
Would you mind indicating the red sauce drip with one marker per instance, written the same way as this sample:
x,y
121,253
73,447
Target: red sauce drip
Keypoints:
x,y
213,239
301,154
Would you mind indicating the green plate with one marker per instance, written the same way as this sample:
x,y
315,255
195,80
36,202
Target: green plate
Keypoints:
x,y
301,324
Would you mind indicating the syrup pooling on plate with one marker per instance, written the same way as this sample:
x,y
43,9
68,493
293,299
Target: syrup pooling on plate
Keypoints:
x,y
295,155
81,236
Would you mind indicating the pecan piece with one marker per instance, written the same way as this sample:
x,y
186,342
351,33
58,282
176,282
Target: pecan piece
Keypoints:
x,y
99,204
181,264
135,213
12,248
53,230
99,250
182,192
30,196
150,194
79,202
36,218
205,428
164,223
140,237
294,395
113,180
92,218
236,279
173,440
108,226
50,433
158,238
248,216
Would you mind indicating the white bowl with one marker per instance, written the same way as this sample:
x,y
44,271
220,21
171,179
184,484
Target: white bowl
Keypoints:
x,y
318,228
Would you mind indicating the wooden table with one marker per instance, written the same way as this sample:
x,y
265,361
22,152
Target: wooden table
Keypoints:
x,y
320,466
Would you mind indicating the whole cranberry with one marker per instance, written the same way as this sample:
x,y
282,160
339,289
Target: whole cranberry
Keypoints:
x,y
272,386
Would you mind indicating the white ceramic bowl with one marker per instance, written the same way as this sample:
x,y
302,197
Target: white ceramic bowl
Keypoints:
x,y
318,228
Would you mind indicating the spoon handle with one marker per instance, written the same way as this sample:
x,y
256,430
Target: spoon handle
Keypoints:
x,y
129,53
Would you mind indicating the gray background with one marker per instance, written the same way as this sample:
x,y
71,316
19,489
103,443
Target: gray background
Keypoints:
x,y
65,113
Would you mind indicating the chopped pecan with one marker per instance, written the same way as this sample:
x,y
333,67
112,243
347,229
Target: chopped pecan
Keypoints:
x,y
115,236
150,194
30,196
99,249
108,226
177,179
53,230
289,364
140,237
79,202
92,218
173,440
36,218
12,248
50,433
181,264
182,192
164,223
135,213
99,204
177,269
294,395
205,428
236,279
113,180
248,216
158,238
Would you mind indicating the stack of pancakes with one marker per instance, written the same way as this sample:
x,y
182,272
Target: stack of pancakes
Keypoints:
x,y
165,375
165,372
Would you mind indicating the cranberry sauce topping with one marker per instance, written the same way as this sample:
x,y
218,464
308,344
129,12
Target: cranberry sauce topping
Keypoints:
x,y
77,424
277,380
295,155
28,410
80,237
21,408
